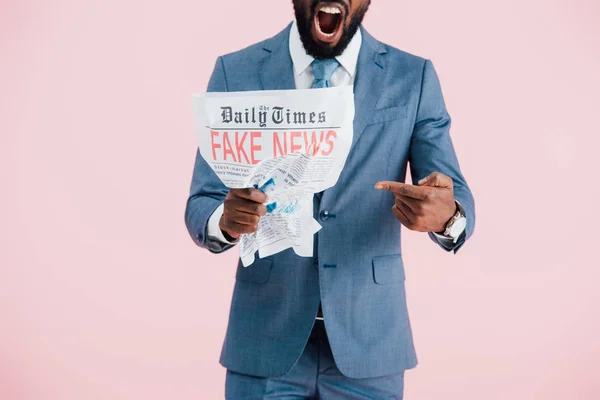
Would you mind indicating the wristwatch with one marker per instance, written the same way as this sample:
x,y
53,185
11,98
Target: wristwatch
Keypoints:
x,y
456,225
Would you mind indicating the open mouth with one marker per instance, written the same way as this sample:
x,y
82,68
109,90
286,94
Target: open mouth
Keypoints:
x,y
329,18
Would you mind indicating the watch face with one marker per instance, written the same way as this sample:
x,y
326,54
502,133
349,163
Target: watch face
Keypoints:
x,y
458,227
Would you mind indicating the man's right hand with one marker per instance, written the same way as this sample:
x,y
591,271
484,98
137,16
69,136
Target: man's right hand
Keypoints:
x,y
242,211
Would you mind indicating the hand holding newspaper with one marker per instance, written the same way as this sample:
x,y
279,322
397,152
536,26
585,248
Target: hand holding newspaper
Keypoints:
x,y
289,144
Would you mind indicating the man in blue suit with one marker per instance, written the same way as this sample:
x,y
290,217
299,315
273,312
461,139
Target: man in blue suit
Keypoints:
x,y
335,326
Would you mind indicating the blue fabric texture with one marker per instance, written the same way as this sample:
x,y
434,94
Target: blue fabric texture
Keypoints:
x,y
357,271
314,376
322,71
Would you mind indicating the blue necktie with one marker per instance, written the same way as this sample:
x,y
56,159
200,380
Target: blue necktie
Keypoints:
x,y
323,70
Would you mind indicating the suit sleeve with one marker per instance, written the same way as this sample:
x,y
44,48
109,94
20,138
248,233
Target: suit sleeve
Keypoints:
x,y
207,192
432,150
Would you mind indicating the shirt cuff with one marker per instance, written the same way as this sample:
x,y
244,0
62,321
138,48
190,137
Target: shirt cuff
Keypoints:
x,y
213,231
444,240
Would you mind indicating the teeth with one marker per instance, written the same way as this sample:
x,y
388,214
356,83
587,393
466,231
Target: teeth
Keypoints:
x,y
331,10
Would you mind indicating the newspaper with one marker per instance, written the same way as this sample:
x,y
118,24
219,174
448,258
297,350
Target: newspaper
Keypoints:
x,y
289,144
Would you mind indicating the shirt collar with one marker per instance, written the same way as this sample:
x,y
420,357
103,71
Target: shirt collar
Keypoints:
x,y
301,60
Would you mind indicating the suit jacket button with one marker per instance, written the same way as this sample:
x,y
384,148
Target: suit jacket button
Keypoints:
x,y
324,215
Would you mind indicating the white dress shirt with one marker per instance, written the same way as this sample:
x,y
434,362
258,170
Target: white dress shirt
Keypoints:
x,y
303,78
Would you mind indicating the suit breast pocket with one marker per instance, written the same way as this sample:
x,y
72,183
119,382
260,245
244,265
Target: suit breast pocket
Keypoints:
x,y
388,114
257,272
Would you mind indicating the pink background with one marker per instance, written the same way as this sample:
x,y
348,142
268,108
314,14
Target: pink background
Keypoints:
x,y
104,296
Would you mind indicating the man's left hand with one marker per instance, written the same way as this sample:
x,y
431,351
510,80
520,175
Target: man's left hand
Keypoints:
x,y
425,208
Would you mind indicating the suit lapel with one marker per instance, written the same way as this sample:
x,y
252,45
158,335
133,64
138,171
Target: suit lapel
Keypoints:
x,y
369,83
277,70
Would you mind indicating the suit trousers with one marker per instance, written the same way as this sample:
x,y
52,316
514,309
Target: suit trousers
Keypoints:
x,y
314,376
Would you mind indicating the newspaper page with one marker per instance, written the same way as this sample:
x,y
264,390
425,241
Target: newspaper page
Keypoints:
x,y
289,144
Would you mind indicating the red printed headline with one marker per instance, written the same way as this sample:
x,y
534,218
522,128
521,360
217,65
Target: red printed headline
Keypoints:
x,y
247,147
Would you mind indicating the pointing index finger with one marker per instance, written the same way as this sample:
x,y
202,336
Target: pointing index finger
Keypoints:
x,y
403,189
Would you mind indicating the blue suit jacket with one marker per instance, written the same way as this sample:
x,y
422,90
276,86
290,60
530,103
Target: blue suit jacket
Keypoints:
x,y
357,270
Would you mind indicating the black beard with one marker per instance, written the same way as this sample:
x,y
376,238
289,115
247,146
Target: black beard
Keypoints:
x,y
314,48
